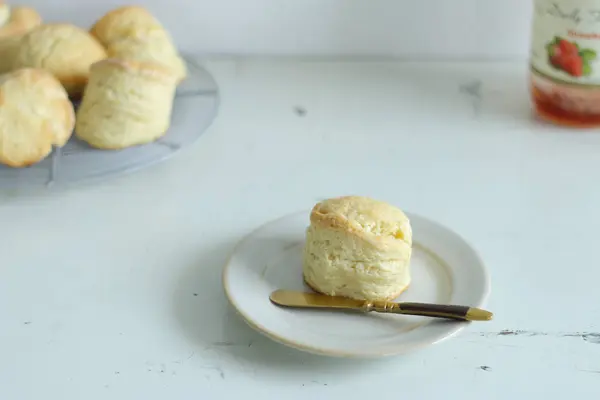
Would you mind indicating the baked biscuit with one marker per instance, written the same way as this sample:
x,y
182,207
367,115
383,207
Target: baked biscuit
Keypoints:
x,y
35,114
15,21
359,248
133,33
126,103
62,49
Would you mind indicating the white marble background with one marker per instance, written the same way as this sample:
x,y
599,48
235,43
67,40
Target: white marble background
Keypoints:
x,y
401,28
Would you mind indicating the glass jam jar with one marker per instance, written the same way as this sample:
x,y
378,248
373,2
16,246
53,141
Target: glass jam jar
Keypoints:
x,y
565,61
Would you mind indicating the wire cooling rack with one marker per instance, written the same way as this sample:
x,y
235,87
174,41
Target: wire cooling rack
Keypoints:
x,y
195,107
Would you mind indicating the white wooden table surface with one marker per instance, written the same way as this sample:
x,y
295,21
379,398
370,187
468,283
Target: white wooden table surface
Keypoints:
x,y
113,290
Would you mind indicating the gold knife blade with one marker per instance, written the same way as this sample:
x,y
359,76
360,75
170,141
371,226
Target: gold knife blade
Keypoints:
x,y
287,298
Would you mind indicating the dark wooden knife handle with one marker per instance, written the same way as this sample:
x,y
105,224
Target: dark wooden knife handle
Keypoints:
x,y
435,310
462,313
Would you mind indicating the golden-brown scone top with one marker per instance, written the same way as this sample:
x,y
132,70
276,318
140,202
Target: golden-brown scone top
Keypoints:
x,y
17,20
35,114
153,48
65,50
133,33
125,22
372,220
126,103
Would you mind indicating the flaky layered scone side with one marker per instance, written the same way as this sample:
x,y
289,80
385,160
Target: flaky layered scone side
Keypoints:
x,y
126,103
359,248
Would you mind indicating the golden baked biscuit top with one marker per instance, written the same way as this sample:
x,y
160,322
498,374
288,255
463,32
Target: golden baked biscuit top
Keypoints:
x,y
364,216
34,79
122,22
17,20
59,46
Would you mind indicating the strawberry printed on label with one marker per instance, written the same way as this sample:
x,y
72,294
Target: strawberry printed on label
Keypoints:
x,y
566,56
567,47
573,65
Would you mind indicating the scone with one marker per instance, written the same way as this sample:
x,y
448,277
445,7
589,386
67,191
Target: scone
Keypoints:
x,y
62,49
126,103
133,33
35,114
15,21
359,248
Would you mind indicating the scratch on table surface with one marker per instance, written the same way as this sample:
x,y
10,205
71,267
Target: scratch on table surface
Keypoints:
x,y
590,337
591,371
474,90
223,344
215,368
508,332
263,273
289,246
227,344
485,368
300,111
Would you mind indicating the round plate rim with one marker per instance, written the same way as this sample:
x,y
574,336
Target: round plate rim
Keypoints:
x,y
486,289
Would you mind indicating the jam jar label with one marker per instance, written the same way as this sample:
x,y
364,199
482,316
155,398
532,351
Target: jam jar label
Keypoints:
x,y
565,43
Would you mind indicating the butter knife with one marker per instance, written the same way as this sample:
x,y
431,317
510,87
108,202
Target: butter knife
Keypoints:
x,y
287,298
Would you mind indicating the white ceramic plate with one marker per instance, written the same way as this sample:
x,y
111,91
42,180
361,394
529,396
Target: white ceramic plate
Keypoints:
x,y
445,270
